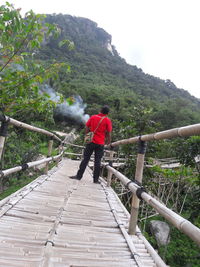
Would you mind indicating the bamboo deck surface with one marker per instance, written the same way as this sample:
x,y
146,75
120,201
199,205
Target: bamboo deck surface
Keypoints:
x,y
57,221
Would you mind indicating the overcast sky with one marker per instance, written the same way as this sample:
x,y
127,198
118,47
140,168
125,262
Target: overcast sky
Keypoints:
x,y
162,37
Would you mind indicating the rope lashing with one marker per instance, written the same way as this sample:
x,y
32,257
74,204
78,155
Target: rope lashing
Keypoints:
x,y
137,182
3,118
142,146
4,127
110,163
139,192
133,181
128,184
24,166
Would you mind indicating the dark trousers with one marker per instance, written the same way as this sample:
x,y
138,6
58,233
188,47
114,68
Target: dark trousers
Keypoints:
x,y
98,153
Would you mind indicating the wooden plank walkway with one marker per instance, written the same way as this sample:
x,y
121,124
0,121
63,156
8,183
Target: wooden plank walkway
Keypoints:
x,y
57,221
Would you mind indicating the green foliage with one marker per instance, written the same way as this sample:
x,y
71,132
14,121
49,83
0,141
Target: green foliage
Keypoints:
x,y
20,72
187,252
43,149
188,149
15,184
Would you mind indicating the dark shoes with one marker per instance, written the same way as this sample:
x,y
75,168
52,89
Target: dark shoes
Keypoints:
x,y
74,177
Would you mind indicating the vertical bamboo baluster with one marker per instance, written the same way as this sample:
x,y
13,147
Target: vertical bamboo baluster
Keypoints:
x,y
102,165
138,178
3,134
2,142
109,177
50,146
60,149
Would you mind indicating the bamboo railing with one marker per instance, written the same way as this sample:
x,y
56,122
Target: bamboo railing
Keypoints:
x,y
175,132
5,122
179,222
29,165
20,124
136,187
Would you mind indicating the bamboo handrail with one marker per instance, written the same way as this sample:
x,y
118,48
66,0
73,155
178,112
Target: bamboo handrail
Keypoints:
x,y
73,145
179,222
29,127
175,132
29,165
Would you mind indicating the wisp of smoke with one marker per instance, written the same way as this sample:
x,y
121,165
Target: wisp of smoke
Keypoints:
x,y
74,111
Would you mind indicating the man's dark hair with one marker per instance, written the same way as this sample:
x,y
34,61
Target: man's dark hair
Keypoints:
x,y
105,110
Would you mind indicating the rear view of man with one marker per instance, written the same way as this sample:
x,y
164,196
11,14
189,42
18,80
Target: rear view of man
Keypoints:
x,y
101,125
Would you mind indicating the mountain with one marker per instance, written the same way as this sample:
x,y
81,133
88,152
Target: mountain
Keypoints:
x,y
100,76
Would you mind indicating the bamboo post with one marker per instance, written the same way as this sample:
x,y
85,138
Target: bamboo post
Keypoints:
x,y
3,134
50,146
102,165
179,222
2,142
60,149
109,177
138,178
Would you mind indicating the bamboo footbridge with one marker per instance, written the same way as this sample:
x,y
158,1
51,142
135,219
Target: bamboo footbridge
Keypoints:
x,y
57,221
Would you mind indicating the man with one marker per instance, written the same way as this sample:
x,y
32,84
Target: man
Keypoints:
x,y
101,125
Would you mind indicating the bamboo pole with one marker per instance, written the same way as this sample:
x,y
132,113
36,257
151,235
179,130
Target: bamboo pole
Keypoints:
x,y
31,128
2,142
179,222
61,152
181,132
70,144
50,146
73,154
29,165
138,177
109,177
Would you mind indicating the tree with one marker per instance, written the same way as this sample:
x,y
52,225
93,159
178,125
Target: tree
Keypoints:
x,y
20,72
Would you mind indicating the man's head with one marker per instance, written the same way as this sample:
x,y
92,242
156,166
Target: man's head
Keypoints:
x,y
105,110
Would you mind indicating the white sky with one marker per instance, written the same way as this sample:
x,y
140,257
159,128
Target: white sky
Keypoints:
x,y
162,37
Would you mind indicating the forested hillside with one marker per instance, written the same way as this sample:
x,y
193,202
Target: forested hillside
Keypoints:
x,y
99,75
